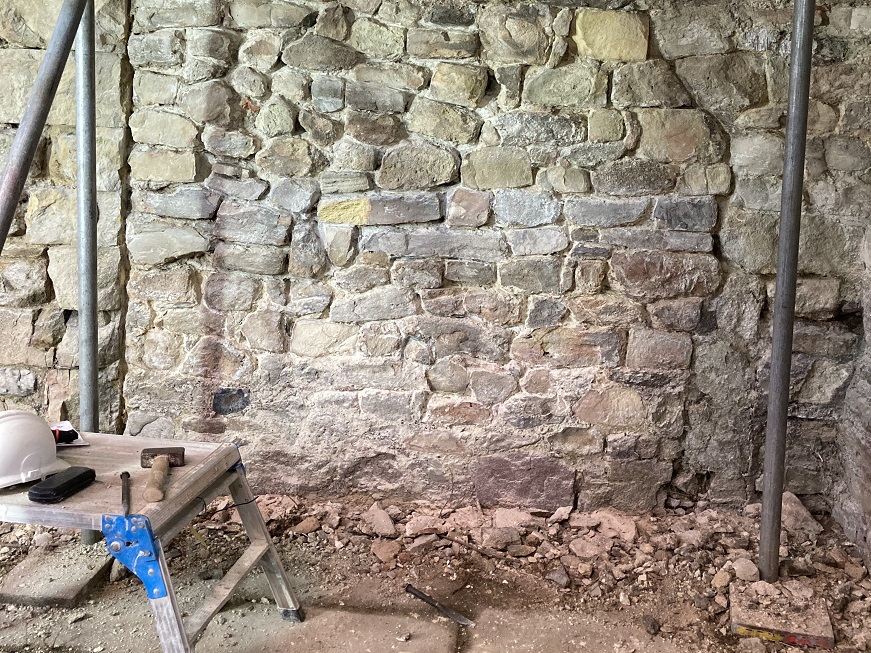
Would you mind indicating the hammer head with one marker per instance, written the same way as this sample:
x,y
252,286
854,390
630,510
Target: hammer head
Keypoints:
x,y
174,454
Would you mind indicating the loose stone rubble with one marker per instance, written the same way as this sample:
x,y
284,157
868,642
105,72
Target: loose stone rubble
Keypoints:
x,y
676,567
437,243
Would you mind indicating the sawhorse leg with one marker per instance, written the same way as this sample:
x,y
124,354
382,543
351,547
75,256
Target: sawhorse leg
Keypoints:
x,y
131,540
255,527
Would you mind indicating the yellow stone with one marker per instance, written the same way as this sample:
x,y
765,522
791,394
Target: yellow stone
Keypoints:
x,y
611,35
352,211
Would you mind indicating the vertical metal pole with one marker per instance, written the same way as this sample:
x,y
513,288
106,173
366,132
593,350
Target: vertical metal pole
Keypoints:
x,y
86,142
784,300
86,151
35,115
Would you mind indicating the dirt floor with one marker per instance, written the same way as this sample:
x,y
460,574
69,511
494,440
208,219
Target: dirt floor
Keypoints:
x,y
576,581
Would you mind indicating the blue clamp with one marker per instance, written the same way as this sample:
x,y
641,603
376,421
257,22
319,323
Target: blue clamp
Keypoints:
x,y
131,540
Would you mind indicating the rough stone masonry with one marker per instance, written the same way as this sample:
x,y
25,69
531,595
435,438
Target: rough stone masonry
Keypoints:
x,y
517,251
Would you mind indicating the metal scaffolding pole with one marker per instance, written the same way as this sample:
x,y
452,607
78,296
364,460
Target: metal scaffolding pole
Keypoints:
x,y
86,153
35,115
784,300
86,149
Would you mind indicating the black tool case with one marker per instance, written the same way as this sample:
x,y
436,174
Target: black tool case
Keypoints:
x,y
59,486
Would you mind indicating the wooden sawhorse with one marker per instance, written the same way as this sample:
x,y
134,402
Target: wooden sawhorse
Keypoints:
x,y
135,540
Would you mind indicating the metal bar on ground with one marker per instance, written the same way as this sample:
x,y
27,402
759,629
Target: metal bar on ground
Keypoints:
x,y
35,115
86,155
784,300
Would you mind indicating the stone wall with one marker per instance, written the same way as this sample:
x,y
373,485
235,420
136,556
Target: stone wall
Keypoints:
x,y
517,252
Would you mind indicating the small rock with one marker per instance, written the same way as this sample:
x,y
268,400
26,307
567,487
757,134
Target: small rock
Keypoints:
x,y
512,518
651,624
746,570
379,521
721,580
751,645
764,589
42,539
215,573
422,543
855,572
76,617
560,515
520,550
614,524
797,519
118,572
385,550
559,575
424,525
308,525
499,538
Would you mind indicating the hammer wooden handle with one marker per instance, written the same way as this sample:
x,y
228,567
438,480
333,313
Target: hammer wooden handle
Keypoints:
x,y
154,486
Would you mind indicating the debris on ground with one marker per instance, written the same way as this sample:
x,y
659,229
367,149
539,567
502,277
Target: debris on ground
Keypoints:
x,y
676,573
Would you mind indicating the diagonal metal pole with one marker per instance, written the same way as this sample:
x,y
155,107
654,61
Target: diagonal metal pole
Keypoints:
x,y
784,299
86,153
35,115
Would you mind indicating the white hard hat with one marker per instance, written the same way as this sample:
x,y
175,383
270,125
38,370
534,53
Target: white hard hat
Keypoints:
x,y
27,448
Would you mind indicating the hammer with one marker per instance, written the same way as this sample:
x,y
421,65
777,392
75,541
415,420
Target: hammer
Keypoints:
x,y
159,459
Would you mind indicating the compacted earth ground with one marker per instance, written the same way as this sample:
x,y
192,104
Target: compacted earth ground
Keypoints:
x,y
572,581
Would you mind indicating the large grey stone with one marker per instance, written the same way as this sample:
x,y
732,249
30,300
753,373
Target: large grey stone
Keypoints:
x,y
152,241
227,291
260,49
318,53
531,274
514,34
287,156
244,257
648,84
757,155
249,188
370,96
686,213
208,102
63,260
372,128
295,195
517,480
386,303
725,84
678,136
247,222
568,347
24,282
660,275
458,84
156,127
17,382
264,13
645,238
486,246
441,44
634,177
189,202
150,15
542,240
402,76
580,85
442,121
222,142
377,40
417,165
276,117
522,128
684,30
521,208
497,167
602,212
307,256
